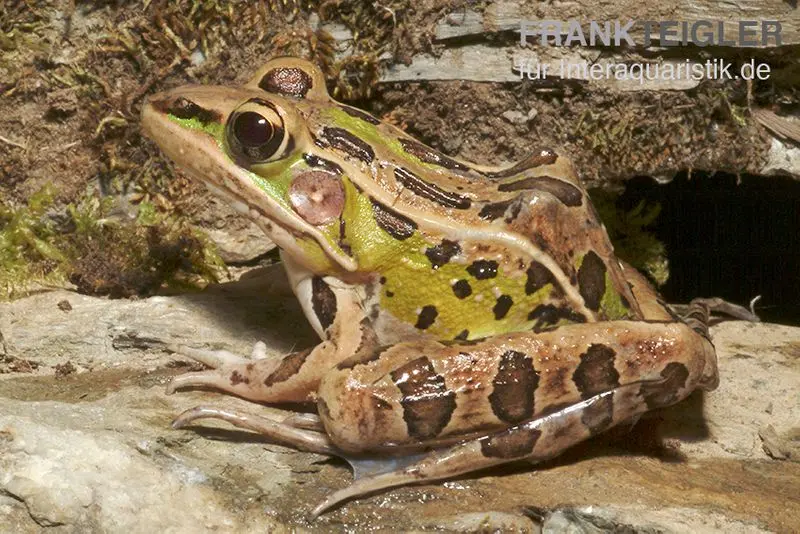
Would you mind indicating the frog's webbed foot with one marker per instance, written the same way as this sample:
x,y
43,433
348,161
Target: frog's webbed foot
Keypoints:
x,y
292,431
263,379
698,313
294,377
718,305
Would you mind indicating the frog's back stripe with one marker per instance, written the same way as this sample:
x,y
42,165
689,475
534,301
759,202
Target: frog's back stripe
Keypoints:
x,y
398,226
341,139
428,155
183,108
543,157
322,163
566,193
495,210
427,403
287,81
433,192
357,113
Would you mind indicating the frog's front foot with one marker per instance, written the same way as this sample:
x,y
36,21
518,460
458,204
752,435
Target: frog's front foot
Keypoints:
x,y
258,378
218,358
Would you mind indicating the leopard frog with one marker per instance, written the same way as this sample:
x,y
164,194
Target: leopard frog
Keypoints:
x,y
469,316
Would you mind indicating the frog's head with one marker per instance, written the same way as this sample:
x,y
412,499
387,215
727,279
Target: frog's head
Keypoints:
x,y
251,146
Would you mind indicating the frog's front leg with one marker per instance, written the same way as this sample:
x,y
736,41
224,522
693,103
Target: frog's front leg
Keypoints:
x,y
521,396
334,310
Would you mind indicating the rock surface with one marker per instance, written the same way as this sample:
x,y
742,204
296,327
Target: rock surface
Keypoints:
x,y
85,441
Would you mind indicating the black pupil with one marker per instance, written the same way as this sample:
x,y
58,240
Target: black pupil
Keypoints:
x,y
252,129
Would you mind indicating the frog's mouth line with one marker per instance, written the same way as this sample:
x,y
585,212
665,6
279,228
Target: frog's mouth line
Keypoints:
x,y
203,160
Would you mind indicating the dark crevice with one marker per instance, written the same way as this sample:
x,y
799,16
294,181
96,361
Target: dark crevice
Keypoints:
x,y
728,237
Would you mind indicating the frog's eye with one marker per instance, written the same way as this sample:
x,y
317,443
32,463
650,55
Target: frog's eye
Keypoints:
x,y
256,133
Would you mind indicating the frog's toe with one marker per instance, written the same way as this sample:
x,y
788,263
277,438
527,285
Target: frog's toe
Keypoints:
x,y
309,421
210,358
305,440
211,379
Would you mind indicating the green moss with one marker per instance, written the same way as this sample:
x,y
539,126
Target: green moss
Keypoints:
x,y
629,233
41,246
29,255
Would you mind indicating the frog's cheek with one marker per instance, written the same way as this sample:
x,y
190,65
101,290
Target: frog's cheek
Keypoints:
x,y
317,197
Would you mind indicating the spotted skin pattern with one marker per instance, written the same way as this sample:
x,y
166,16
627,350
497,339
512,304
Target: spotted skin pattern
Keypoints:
x,y
476,314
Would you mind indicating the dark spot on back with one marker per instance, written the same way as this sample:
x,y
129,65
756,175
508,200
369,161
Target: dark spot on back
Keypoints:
x,y
462,289
596,372
428,155
398,226
442,253
501,307
592,280
548,314
426,317
538,277
427,403
341,139
357,113
516,442
494,210
565,192
323,301
483,269
289,366
513,388
431,191
462,336
664,393
288,81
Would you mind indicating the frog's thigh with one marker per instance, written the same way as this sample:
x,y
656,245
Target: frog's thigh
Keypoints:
x,y
430,393
296,376
603,374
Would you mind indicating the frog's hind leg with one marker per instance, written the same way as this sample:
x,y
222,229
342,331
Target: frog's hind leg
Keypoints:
x,y
345,329
534,441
